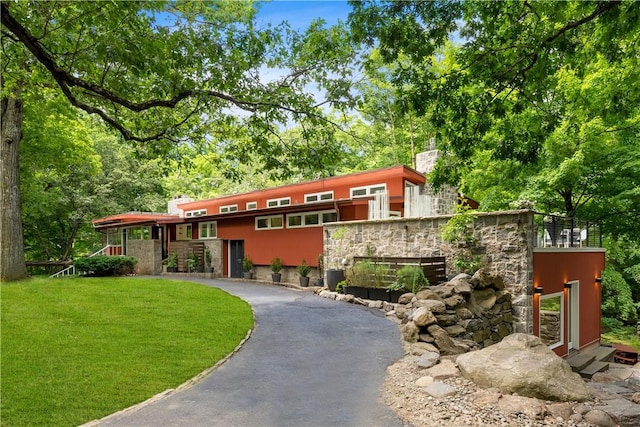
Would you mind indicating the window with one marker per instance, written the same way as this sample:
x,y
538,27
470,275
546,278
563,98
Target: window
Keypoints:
x,y
183,232
269,222
252,205
138,233
208,230
272,203
228,208
318,197
368,190
191,214
114,237
311,219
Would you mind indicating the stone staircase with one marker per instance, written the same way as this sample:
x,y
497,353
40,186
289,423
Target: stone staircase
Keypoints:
x,y
588,362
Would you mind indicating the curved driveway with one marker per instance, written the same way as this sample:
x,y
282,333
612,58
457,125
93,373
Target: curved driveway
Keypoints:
x,y
310,362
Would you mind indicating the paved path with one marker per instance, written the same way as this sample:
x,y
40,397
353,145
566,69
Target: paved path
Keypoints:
x,y
310,362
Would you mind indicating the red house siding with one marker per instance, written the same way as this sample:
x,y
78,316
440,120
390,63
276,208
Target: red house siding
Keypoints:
x,y
551,270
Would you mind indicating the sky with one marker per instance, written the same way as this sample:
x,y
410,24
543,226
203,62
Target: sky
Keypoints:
x,y
300,13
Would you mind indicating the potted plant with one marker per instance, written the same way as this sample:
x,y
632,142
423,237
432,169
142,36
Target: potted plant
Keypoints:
x,y
207,259
172,263
247,266
303,270
320,270
409,278
276,266
192,262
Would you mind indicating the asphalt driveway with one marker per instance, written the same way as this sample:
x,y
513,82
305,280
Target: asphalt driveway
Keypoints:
x,y
309,362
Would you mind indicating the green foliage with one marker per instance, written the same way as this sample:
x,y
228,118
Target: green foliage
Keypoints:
x,y
276,265
303,269
409,278
340,286
459,233
247,263
321,263
193,261
369,275
111,335
172,260
103,265
616,297
624,335
610,324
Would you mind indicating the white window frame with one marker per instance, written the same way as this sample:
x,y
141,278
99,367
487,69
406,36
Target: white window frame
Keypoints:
x,y
144,231
270,226
208,224
282,201
303,218
196,213
251,206
562,321
368,190
318,197
228,209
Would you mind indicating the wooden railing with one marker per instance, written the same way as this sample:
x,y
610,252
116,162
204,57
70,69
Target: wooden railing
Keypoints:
x,y
434,268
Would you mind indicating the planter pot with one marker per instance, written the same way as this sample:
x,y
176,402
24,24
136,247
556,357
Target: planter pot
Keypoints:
x,y
172,269
199,270
320,282
333,278
276,277
304,281
357,291
395,295
379,294
247,275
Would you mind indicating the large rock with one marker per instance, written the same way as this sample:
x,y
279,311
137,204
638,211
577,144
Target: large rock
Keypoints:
x,y
481,301
434,306
410,332
444,342
423,317
522,364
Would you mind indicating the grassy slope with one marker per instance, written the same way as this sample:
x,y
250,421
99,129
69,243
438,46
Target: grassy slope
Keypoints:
x,y
78,349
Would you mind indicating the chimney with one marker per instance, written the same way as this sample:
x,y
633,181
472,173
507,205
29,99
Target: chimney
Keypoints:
x,y
172,205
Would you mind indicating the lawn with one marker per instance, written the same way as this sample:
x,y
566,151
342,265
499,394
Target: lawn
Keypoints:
x,y
74,350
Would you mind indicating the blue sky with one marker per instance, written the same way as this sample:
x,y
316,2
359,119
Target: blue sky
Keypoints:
x,y
300,13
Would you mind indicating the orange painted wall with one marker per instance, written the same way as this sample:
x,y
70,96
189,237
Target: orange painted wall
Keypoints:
x,y
290,244
551,270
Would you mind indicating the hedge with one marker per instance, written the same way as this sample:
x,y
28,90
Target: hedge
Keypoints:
x,y
103,265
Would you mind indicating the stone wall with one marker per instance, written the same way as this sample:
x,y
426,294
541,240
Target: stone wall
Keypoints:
x,y
504,246
148,253
215,247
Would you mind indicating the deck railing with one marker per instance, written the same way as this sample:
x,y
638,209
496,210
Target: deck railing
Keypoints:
x,y
71,270
554,231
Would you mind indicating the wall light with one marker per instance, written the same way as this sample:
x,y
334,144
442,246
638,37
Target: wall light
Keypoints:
x,y
537,290
567,285
598,279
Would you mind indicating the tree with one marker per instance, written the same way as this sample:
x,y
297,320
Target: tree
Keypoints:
x,y
162,74
545,84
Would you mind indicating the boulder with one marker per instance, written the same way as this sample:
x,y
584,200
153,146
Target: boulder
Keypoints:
x,y
522,364
623,412
420,347
427,294
406,298
434,306
410,332
423,317
483,278
562,410
453,301
444,342
532,408
481,301
599,418
439,389
443,370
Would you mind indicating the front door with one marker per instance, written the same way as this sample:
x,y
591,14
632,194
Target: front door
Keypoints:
x,y
236,253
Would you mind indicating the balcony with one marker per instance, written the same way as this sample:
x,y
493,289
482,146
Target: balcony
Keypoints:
x,y
553,231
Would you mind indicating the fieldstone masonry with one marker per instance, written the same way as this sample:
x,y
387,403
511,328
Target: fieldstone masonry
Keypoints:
x,y
505,245
443,202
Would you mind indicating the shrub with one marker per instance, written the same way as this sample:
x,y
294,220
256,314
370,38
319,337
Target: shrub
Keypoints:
x,y
103,265
276,265
247,264
409,278
369,275
303,269
610,324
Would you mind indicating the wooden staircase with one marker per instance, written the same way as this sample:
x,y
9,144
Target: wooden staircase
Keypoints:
x,y
588,362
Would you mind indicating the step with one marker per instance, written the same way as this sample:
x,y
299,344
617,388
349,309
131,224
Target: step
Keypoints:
x,y
593,368
579,361
601,353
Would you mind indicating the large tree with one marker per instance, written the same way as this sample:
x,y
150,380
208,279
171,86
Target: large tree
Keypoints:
x,y
528,79
163,73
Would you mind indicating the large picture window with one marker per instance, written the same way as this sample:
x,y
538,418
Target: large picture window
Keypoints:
x,y
139,233
269,222
208,230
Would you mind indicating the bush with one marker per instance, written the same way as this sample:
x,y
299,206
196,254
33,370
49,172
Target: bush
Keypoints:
x,y
610,324
369,275
409,278
276,265
103,265
303,269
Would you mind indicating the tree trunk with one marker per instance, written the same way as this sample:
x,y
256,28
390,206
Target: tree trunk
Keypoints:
x,y
12,264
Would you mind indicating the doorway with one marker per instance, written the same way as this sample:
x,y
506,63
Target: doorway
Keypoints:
x,y
236,253
573,317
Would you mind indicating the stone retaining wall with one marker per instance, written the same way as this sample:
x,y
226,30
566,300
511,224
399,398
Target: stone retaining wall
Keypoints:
x,y
504,243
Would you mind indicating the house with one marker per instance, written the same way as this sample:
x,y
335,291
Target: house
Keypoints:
x,y
285,222
550,267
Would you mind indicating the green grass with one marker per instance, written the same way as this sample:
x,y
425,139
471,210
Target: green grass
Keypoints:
x,y
74,350
624,335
